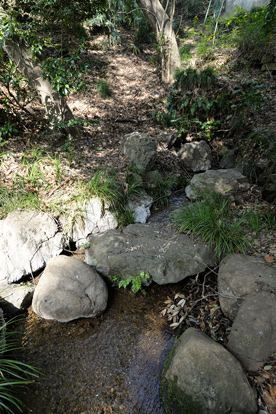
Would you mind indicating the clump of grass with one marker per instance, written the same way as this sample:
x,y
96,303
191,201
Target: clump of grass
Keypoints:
x,y
13,373
110,189
18,199
104,89
210,218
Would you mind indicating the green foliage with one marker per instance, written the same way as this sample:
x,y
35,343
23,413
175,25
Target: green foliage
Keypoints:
x,y
14,373
186,79
269,220
104,89
143,31
7,131
135,284
54,33
15,93
192,7
11,200
66,73
253,218
211,219
110,189
185,52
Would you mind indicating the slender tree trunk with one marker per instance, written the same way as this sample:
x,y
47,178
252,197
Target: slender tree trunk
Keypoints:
x,y
161,23
55,106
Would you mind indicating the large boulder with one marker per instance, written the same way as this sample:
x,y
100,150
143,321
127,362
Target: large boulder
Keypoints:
x,y
253,335
92,218
167,257
196,156
239,276
69,289
202,377
140,149
28,240
230,183
15,297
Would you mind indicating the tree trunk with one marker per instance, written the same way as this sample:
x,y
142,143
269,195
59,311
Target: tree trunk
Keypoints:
x,y
161,23
55,106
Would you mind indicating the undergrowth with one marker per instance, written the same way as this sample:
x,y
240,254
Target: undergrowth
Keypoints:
x,y
215,219
210,218
135,284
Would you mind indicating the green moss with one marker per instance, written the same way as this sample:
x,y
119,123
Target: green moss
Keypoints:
x,y
173,399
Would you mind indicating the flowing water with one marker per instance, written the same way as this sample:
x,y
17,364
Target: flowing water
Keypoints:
x,y
110,364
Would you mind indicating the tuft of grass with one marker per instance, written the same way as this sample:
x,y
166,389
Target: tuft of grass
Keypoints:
x,y
210,218
18,199
13,373
110,189
104,89
254,220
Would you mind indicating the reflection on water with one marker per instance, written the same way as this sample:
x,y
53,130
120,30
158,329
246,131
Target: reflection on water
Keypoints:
x,y
111,364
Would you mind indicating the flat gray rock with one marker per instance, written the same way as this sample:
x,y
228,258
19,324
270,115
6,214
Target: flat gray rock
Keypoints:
x,y
167,257
230,183
239,276
69,289
253,334
202,377
28,240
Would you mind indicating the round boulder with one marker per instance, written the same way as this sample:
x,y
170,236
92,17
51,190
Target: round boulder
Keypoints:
x,y
69,289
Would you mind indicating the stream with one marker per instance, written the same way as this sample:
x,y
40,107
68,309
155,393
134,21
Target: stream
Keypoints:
x,y
110,364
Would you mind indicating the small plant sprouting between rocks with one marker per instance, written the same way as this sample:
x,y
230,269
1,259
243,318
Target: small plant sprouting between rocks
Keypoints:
x,y
134,284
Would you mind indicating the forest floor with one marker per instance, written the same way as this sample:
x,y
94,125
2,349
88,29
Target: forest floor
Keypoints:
x,y
52,165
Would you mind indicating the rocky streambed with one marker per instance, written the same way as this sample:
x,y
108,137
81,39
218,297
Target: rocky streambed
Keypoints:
x,y
110,364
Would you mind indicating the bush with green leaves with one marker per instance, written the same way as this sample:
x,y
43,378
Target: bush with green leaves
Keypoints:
x,y
210,218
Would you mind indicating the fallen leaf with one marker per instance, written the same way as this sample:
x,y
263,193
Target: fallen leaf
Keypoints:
x,y
269,259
